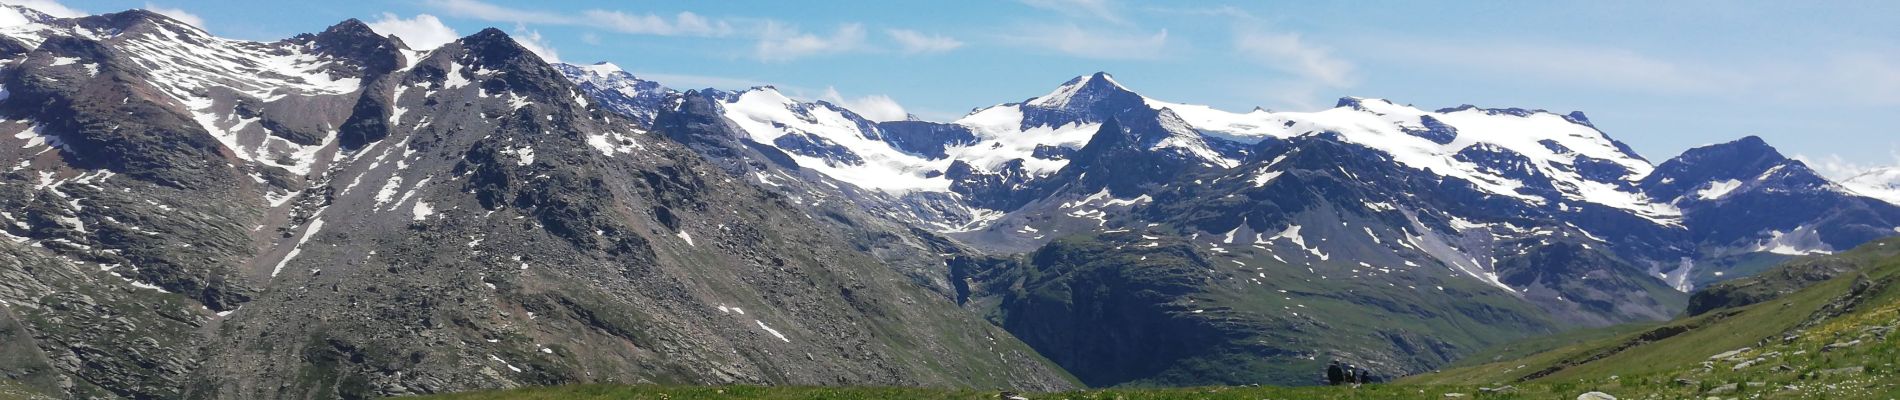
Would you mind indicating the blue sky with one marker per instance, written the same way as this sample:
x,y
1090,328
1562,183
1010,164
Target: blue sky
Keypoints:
x,y
1820,80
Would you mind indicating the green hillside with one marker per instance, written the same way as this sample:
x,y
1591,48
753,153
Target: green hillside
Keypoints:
x,y
1831,339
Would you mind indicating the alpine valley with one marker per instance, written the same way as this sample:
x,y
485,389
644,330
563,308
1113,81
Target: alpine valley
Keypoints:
x,y
340,215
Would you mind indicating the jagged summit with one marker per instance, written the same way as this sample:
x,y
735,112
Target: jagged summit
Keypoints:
x,y
352,26
1081,90
604,67
14,15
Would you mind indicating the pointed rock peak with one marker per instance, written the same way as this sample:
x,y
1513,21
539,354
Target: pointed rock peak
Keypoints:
x,y
133,20
1578,118
492,46
1350,102
1375,106
1752,141
1750,146
604,66
1746,159
1102,78
353,40
598,69
768,89
1513,111
1081,90
353,33
487,36
350,26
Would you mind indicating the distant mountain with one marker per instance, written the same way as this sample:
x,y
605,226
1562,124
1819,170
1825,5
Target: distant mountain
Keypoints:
x,y
1539,215
1879,183
336,215
1815,327
618,90
1743,198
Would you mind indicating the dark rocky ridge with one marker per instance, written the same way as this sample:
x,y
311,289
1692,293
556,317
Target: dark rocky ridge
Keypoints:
x,y
461,230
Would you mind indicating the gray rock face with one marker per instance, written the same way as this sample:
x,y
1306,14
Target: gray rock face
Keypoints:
x,y
186,218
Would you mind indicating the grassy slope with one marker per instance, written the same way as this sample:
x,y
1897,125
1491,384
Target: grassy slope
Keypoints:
x,y
1678,366
1540,344
10,390
1648,361
1288,320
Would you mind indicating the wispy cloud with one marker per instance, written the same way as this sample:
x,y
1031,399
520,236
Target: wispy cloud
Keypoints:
x,y
1596,66
1838,168
875,107
1091,43
681,24
1096,9
177,14
532,40
779,42
775,41
914,42
1854,75
1867,76
491,12
1287,52
50,7
423,32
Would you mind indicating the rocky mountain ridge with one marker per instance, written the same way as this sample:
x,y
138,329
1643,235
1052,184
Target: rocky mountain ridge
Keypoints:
x,y
338,216
1528,207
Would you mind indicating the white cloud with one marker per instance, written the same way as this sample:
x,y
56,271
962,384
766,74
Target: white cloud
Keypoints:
x,y
528,38
532,40
1552,63
682,24
914,42
423,32
590,38
1288,53
1099,9
1827,75
1868,76
783,43
484,11
1076,41
1840,168
50,7
177,14
875,107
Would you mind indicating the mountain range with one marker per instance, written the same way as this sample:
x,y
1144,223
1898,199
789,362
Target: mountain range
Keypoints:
x,y
1348,211
338,215
335,215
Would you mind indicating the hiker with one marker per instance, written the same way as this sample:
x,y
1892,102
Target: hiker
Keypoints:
x,y
1335,374
1352,375
1363,376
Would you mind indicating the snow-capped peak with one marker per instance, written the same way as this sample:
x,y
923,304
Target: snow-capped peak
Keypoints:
x,y
831,140
605,67
622,91
602,68
16,15
1880,183
1079,91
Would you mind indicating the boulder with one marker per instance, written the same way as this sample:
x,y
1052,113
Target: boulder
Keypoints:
x,y
1595,396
